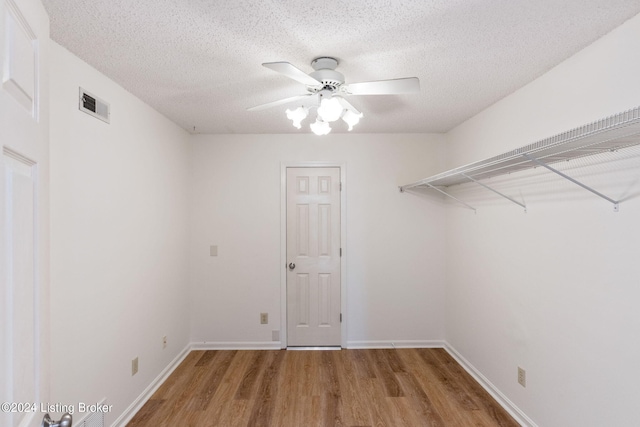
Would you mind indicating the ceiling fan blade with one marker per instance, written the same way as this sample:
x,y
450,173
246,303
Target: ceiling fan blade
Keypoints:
x,y
292,72
279,102
385,87
347,105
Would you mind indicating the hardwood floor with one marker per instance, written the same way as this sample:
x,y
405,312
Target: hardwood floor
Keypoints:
x,y
403,387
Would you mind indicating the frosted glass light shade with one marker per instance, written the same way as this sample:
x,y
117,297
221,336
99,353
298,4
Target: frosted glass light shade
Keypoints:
x,y
330,109
351,118
297,115
320,127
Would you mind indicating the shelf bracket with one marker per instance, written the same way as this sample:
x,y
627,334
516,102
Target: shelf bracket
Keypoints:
x,y
449,195
597,193
495,191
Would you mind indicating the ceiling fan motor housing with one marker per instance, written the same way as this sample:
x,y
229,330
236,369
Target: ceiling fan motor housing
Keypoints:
x,y
326,74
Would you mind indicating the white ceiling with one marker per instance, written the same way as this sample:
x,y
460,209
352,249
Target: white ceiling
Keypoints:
x,y
198,61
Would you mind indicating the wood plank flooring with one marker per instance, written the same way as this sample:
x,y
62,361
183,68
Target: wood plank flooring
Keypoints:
x,y
403,387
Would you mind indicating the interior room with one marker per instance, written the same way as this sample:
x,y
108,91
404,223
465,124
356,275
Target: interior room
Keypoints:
x,y
158,221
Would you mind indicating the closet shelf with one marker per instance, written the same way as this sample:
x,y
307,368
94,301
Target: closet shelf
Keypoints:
x,y
610,134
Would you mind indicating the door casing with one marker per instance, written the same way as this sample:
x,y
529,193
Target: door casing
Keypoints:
x,y
283,245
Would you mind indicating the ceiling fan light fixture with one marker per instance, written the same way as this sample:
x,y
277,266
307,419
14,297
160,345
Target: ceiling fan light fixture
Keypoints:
x,y
297,116
320,128
330,109
351,118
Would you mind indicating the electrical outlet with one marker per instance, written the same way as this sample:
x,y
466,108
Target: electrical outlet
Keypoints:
x,y
134,366
264,318
164,341
522,377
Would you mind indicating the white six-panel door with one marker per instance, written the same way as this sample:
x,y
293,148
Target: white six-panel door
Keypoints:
x,y
313,256
24,218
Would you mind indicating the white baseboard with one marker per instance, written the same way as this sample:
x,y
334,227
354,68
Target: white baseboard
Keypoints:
x,y
137,404
503,400
396,344
236,345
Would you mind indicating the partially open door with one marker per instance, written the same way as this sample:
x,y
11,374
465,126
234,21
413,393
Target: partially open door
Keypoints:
x,y
24,212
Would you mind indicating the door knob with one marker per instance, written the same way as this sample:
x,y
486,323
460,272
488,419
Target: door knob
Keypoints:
x,y
65,421
291,266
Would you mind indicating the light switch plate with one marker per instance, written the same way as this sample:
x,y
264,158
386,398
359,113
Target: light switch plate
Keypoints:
x,y
213,250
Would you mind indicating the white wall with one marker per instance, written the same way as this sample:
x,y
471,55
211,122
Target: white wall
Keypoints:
x,y
395,242
554,290
118,241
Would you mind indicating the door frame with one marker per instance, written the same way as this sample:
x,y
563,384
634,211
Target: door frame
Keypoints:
x,y
283,244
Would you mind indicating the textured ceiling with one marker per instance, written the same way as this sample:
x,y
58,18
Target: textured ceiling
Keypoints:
x,y
198,61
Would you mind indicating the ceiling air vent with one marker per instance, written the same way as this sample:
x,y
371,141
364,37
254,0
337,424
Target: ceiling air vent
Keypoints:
x,y
94,106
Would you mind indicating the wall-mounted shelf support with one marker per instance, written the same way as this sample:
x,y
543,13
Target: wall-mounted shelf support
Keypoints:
x,y
495,191
446,194
616,207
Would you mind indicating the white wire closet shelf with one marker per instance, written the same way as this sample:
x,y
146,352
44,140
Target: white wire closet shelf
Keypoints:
x,y
610,134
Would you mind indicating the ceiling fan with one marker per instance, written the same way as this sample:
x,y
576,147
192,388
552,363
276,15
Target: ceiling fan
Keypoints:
x,y
326,91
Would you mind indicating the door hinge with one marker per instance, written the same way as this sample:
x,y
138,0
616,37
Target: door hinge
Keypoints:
x,y
341,186
340,252
340,317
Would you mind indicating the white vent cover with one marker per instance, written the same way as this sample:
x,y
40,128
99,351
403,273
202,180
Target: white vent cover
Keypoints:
x,y
94,106
94,419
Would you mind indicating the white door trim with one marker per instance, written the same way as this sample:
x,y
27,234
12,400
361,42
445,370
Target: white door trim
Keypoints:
x,y
283,245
